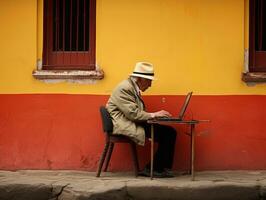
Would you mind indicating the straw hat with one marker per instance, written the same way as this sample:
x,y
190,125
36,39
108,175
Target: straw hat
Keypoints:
x,y
143,70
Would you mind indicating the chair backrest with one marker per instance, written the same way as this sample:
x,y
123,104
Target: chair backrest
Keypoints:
x,y
106,120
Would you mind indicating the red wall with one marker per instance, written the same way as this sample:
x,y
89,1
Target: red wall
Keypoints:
x,y
64,132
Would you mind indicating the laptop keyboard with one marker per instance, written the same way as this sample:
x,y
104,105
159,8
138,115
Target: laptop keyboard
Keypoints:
x,y
168,119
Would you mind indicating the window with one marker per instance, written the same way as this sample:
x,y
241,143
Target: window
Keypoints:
x,y
257,43
257,37
69,34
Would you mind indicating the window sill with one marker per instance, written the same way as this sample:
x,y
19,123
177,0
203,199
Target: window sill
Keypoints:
x,y
68,75
254,77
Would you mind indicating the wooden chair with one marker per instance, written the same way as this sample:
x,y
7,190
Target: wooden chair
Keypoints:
x,y
110,140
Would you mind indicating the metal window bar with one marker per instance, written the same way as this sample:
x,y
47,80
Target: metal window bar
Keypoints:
x,y
47,34
260,25
84,22
70,42
64,29
77,29
77,23
57,22
77,34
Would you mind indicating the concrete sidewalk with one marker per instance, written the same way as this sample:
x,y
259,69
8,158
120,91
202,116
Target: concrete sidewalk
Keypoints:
x,y
66,185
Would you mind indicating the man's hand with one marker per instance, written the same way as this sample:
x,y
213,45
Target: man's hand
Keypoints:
x,y
161,113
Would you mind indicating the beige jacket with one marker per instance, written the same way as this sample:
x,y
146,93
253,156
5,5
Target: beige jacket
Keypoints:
x,y
127,109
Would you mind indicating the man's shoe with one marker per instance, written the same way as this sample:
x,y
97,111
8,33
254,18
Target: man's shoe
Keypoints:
x,y
145,172
168,172
163,174
160,174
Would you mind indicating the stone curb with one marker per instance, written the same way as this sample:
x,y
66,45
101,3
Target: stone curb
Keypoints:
x,y
66,185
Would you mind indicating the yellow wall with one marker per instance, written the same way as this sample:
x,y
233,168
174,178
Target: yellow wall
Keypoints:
x,y
194,45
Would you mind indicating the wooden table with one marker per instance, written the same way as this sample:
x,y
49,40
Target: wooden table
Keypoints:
x,y
192,124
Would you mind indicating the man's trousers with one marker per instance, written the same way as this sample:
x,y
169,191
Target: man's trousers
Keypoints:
x,y
165,136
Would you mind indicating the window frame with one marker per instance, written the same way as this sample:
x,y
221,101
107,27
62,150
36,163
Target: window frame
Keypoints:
x,y
87,57
255,71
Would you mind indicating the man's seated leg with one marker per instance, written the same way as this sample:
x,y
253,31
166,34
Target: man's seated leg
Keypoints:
x,y
165,136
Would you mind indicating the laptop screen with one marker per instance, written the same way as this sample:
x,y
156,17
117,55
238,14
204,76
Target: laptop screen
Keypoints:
x,y
184,107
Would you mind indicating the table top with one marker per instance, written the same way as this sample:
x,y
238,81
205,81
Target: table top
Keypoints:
x,y
192,121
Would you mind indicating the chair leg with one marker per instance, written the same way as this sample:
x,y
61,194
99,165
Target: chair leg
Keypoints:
x,y
109,154
135,158
102,159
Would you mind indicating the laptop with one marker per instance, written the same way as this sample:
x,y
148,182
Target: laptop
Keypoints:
x,y
181,113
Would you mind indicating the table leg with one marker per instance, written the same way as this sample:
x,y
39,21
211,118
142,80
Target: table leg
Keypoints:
x,y
152,142
192,150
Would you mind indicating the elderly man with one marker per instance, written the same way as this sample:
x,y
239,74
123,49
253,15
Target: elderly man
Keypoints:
x,y
129,117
